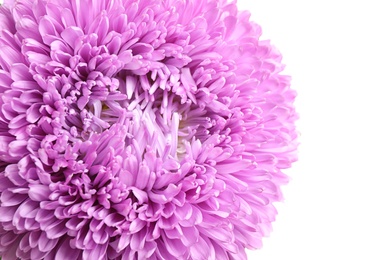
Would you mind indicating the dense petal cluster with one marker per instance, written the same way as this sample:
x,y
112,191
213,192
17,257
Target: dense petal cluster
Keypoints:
x,y
139,129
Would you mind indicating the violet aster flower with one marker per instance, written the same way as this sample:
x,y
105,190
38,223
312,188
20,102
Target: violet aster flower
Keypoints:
x,y
139,129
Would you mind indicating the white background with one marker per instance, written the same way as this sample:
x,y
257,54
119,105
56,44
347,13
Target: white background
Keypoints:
x,y
330,49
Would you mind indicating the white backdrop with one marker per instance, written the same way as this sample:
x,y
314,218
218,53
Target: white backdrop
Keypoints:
x,y
330,48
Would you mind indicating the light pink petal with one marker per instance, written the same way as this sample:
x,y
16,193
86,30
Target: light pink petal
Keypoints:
x,y
8,57
71,35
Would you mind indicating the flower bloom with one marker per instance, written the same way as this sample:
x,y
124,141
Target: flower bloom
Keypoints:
x,y
139,129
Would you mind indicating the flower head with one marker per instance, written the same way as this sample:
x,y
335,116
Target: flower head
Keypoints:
x,y
139,129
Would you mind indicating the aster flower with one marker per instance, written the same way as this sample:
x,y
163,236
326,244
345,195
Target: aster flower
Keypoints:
x,y
139,129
